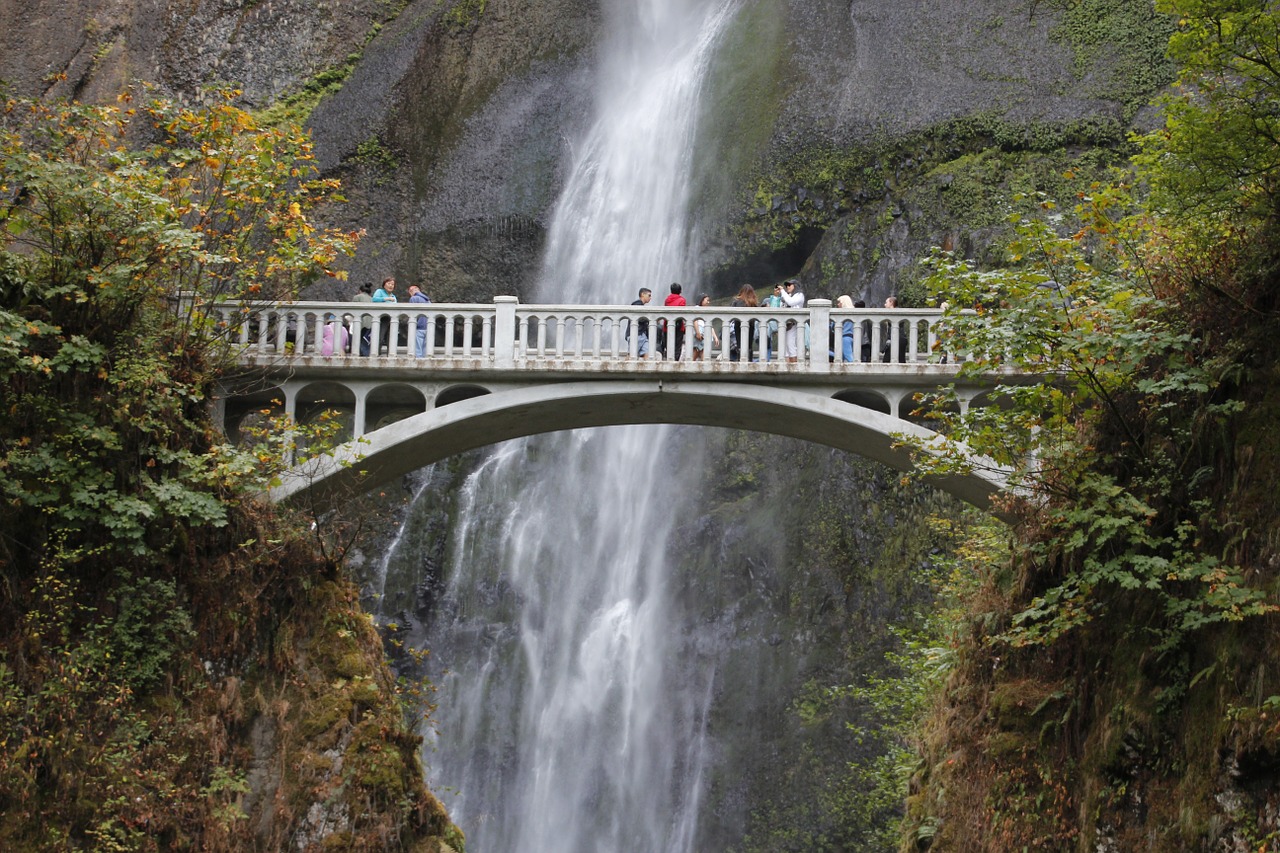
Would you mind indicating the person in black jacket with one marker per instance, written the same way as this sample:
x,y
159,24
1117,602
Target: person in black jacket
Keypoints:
x,y
642,325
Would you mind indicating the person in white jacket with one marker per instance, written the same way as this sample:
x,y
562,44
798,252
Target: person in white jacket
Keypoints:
x,y
792,298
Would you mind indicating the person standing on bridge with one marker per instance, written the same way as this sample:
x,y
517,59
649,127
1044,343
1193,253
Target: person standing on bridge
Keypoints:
x,y
746,298
420,327
792,298
865,353
771,341
365,294
675,300
642,325
333,338
386,293
846,330
886,344
703,330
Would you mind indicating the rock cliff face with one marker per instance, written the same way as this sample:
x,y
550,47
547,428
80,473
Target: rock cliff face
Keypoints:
x,y
449,120
470,110
91,49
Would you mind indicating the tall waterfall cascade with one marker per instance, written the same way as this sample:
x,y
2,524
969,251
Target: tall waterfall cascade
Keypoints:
x,y
573,700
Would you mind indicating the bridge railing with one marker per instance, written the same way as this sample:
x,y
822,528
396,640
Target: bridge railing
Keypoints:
x,y
508,334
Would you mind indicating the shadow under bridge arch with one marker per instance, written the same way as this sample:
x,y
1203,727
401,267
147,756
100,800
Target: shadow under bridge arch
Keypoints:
x,y
437,434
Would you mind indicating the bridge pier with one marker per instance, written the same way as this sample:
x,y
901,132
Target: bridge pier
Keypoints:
x,y
358,416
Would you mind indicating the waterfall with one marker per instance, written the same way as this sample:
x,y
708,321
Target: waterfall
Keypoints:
x,y
574,703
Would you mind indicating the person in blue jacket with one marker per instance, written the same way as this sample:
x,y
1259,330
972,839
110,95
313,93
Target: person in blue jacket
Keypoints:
x,y
846,330
386,293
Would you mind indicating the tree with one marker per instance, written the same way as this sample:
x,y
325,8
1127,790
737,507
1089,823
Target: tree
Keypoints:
x,y
1108,469
1218,153
121,534
108,213
1116,650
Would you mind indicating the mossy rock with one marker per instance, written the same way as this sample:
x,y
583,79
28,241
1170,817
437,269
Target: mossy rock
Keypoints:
x,y
1021,706
1006,745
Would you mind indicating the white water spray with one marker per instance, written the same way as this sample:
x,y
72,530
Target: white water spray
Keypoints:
x,y
573,715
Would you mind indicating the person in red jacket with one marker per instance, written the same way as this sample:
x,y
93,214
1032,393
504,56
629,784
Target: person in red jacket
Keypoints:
x,y
676,300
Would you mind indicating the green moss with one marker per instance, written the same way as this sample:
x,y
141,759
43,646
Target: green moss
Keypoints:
x,y
296,107
455,839
338,841
749,85
321,716
465,14
373,155
378,764
815,187
1026,706
1003,745
1119,48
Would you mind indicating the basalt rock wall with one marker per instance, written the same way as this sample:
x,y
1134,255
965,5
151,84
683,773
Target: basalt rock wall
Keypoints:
x,y
450,119
92,49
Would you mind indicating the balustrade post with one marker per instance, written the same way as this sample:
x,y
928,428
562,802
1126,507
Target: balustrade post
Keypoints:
x,y
504,331
819,335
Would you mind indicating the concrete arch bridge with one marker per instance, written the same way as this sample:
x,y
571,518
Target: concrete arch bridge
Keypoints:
x,y
417,383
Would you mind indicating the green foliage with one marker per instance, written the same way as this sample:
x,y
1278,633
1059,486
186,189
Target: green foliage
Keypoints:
x,y
150,624
104,383
1217,153
897,700
1134,551
79,758
1126,516
1095,29
124,550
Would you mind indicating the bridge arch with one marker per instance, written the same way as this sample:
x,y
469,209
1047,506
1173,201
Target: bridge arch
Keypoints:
x,y
867,399
458,393
315,397
405,445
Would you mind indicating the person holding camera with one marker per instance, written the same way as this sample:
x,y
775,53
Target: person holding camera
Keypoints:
x,y
792,298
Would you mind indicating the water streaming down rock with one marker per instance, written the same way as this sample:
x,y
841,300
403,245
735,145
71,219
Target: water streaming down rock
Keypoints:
x,y
573,714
